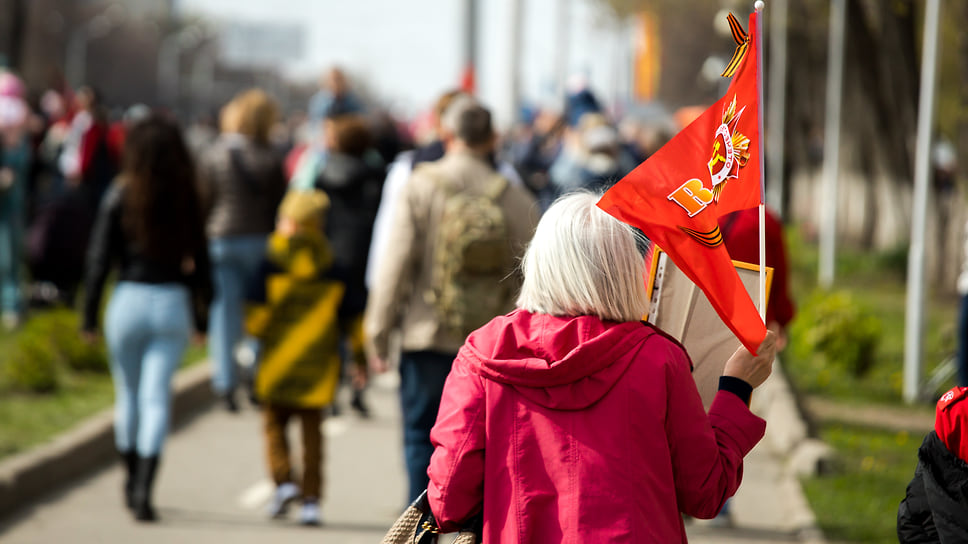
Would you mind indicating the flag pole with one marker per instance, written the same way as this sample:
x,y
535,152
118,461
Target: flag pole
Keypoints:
x,y
758,6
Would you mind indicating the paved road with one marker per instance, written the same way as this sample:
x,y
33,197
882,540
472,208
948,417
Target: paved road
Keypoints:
x,y
212,487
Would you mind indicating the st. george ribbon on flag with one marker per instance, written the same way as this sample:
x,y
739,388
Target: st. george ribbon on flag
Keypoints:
x,y
709,169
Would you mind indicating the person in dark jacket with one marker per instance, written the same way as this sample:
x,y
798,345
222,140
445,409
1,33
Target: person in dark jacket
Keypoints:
x,y
150,225
935,507
352,177
241,183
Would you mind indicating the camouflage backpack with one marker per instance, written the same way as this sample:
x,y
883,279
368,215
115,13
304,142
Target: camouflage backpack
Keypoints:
x,y
471,258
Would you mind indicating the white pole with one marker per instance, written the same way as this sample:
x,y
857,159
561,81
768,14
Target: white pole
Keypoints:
x,y
514,61
776,105
470,39
827,201
758,6
914,314
563,35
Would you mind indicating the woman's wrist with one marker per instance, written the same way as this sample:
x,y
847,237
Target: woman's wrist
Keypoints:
x,y
737,386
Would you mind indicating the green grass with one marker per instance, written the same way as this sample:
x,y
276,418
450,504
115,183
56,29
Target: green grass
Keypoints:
x,y
858,503
876,282
27,419
30,419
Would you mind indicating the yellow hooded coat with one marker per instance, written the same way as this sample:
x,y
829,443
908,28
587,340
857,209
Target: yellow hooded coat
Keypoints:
x,y
295,321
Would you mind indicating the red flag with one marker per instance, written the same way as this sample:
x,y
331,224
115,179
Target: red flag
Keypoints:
x,y
468,80
709,169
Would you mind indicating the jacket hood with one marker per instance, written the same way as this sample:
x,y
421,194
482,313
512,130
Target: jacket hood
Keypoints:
x,y
564,363
304,256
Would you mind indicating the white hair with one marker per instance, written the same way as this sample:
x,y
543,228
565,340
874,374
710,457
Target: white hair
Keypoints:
x,y
583,261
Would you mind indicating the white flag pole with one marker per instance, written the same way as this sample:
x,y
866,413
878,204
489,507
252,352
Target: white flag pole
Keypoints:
x,y
758,6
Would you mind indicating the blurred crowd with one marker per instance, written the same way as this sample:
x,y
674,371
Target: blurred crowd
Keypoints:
x,y
309,247
61,149
267,231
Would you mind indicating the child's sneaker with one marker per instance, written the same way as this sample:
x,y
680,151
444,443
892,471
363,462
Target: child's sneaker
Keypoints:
x,y
309,515
285,494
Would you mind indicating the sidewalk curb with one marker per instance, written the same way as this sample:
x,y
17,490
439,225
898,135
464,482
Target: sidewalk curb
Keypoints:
x,y
787,434
30,475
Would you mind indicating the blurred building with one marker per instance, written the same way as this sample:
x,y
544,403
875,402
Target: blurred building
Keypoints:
x,y
408,52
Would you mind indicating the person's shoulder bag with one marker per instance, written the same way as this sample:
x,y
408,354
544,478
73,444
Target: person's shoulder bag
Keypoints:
x,y
417,526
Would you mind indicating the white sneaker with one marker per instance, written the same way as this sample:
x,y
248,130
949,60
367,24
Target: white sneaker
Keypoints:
x,y
285,494
309,515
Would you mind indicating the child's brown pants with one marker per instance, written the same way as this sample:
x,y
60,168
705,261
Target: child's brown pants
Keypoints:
x,y
275,418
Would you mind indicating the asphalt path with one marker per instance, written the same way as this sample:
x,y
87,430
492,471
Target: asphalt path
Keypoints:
x,y
213,486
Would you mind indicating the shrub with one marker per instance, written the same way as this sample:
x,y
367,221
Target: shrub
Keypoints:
x,y
836,328
32,366
49,343
62,328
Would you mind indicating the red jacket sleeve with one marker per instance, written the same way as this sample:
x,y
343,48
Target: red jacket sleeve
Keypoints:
x,y
92,139
456,489
780,300
741,235
707,452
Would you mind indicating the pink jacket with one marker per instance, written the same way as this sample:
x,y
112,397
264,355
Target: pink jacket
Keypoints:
x,y
593,432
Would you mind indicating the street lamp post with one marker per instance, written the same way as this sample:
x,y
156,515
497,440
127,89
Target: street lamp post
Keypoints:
x,y
75,59
75,63
776,106
169,62
914,314
203,78
831,144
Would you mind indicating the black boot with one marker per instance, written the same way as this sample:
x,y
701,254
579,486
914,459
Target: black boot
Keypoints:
x,y
130,460
228,400
358,404
143,482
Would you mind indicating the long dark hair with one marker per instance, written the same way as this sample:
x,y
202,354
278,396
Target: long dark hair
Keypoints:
x,y
160,209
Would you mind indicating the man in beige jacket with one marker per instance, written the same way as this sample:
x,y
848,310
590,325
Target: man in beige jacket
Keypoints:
x,y
399,301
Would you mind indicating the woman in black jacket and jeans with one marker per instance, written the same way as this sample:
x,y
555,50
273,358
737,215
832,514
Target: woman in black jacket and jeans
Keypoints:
x,y
150,225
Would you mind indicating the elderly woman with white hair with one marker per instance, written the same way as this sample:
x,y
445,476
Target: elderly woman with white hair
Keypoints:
x,y
571,420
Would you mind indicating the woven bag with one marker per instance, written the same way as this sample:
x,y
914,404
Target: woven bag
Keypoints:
x,y
416,525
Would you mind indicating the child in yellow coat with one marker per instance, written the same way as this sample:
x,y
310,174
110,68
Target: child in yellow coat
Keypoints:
x,y
293,315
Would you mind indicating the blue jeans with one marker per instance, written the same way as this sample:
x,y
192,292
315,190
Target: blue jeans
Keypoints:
x,y
11,247
235,262
147,327
422,376
10,260
963,342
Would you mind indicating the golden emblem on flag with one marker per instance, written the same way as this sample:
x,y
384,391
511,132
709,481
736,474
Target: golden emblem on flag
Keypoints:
x,y
730,149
